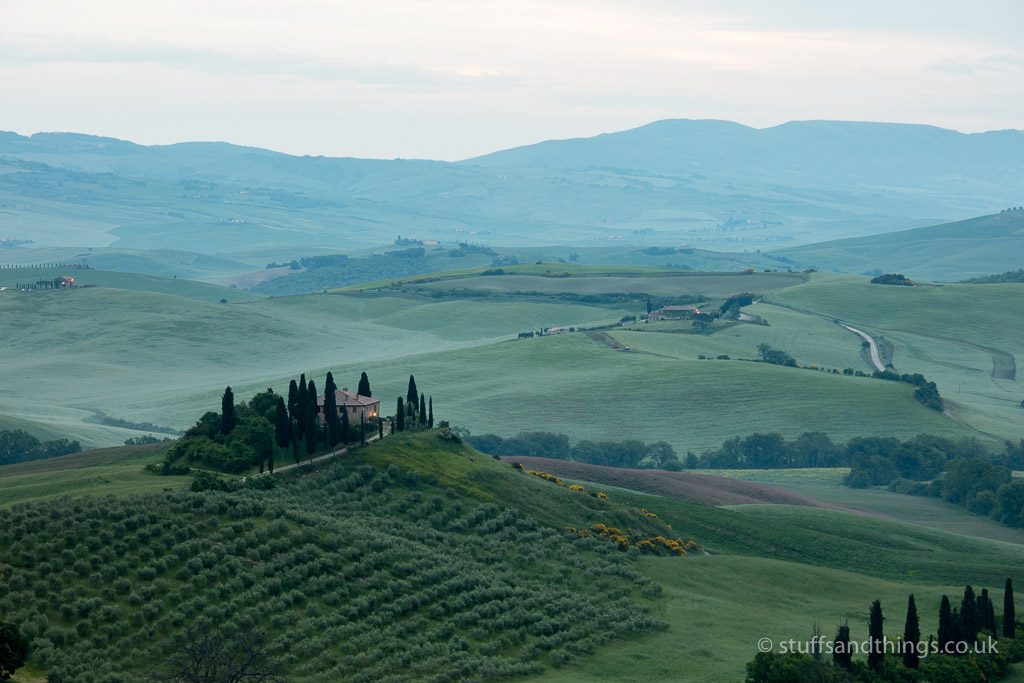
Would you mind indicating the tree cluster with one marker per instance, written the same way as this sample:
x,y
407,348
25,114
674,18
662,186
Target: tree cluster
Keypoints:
x,y
952,655
631,453
927,393
249,434
415,411
17,445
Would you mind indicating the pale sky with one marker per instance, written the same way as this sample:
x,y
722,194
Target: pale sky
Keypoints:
x,y
449,79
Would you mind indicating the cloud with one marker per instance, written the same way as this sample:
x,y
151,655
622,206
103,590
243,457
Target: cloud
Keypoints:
x,y
264,63
963,66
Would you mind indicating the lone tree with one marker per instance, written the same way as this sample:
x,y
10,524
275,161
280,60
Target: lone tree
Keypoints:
x,y
227,411
842,656
400,416
202,655
947,632
364,386
1009,612
13,650
876,636
430,413
412,398
911,636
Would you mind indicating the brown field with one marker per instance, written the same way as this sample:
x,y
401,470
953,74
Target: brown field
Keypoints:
x,y
695,488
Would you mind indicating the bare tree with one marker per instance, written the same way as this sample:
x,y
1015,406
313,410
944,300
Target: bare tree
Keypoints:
x,y
202,655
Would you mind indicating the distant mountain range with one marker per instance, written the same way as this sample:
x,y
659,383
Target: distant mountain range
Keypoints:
x,y
714,185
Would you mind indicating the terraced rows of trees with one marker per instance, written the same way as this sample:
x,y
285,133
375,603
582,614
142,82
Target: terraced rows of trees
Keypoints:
x,y
359,574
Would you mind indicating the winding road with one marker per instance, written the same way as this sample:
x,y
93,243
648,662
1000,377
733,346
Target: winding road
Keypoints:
x,y
876,357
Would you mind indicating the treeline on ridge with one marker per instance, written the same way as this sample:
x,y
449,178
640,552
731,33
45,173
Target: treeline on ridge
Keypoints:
x,y
17,445
631,453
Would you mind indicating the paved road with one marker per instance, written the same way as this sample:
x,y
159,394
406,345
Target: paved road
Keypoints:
x,y
876,358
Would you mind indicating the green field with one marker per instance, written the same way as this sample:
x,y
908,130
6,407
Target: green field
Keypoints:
x,y
963,337
99,472
149,349
826,485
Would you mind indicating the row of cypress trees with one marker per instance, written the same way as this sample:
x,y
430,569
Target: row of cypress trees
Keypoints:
x,y
961,624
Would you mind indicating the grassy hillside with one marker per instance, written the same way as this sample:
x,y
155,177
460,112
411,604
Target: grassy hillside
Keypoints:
x,y
952,251
825,486
417,547
156,357
963,337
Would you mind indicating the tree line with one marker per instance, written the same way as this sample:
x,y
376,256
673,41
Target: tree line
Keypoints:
x,y
17,445
962,650
631,453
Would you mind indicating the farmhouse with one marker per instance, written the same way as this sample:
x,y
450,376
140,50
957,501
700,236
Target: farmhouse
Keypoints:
x,y
674,313
358,407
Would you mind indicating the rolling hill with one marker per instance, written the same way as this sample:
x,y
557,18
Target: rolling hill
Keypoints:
x,y
713,184
952,251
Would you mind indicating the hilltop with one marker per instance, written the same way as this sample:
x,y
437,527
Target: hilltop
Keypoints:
x,y
951,251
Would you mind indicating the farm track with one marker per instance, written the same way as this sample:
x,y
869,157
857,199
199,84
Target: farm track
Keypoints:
x,y
876,357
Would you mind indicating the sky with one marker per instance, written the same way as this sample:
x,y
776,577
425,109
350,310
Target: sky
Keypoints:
x,y
451,79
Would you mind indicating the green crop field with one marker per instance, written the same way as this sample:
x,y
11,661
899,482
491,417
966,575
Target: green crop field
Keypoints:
x,y
825,485
963,337
148,349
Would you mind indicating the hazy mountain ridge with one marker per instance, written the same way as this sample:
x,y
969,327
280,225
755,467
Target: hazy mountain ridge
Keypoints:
x,y
713,184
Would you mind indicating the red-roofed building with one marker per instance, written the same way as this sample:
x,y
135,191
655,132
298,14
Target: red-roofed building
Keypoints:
x,y
674,313
358,407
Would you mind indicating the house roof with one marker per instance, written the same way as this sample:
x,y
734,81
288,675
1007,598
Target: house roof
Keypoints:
x,y
681,308
342,397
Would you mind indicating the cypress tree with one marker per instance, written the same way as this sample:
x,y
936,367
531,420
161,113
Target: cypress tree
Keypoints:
x,y
986,612
412,398
331,411
293,399
969,615
296,440
362,428
227,411
282,425
876,654
430,413
911,636
1009,612
300,407
423,410
958,627
946,630
364,386
310,409
400,416
380,428
842,657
